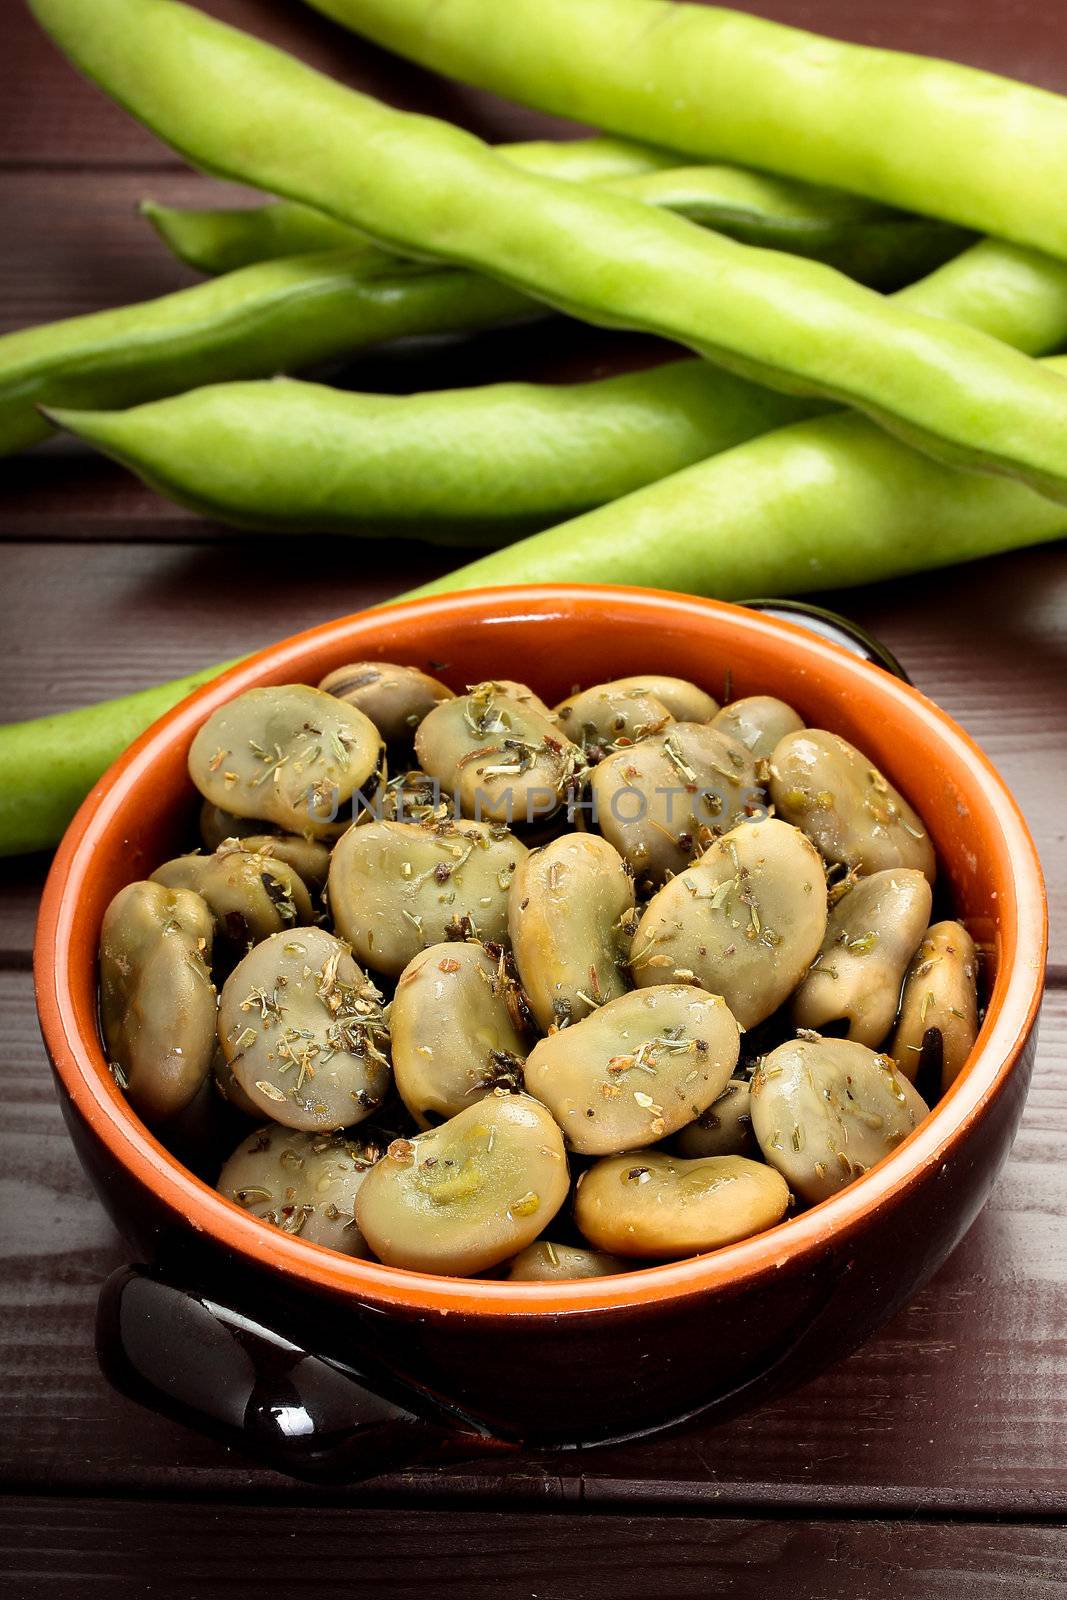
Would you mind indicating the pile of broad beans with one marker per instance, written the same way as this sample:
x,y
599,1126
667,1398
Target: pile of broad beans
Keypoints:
x,y
478,985
818,224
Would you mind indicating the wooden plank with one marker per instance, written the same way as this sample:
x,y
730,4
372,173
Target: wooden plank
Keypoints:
x,y
53,116
123,1547
959,1406
120,617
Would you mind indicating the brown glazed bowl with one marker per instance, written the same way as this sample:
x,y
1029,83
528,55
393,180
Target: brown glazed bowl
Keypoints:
x,y
329,1365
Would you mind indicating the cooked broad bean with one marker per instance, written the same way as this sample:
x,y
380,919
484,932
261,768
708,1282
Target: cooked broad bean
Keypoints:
x,y
511,689
724,1129
684,700
412,796
309,858
569,917
157,1001
608,715
459,1030
289,754
662,800
745,921
941,996
303,1030
468,1194
640,1067
826,1110
661,1207
302,1183
504,759
395,698
871,935
545,1262
227,1086
759,722
847,808
396,887
217,825
250,895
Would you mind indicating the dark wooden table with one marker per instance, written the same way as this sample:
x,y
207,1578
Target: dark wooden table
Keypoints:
x,y
933,1463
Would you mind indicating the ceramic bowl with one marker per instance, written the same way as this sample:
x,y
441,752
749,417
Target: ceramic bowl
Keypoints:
x,y
551,1363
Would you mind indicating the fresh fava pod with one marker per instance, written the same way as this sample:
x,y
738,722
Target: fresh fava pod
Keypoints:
x,y
545,1262
847,808
289,754
224,239
459,1030
743,523
772,317
660,801
661,1207
871,935
157,1001
940,998
637,1069
468,1194
746,921
506,762
249,895
303,1183
280,316
303,1030
570,911
605,717
816,108
395,698
874,244
397,887
724,1129
556,449
759,722
826,1110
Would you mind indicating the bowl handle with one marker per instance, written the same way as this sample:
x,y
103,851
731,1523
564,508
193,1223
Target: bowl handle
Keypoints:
x,y
214,1369
839,630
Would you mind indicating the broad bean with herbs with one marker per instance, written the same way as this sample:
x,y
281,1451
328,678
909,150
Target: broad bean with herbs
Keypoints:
x,y
503,1045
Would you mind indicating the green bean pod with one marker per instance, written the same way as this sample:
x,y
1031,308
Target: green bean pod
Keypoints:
x,y
226,238
824,504
467,466
273,317
347,293
483,465
241,108
870,243
929,136
833,501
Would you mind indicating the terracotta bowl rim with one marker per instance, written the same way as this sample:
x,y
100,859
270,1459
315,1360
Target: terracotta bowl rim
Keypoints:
x,y
81,1067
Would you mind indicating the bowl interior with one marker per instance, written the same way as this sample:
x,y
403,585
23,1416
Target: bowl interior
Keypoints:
x,y
554,639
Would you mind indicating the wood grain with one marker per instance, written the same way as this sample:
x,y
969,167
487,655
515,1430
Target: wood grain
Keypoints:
x,y
929,1465
958,1407
66,1549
